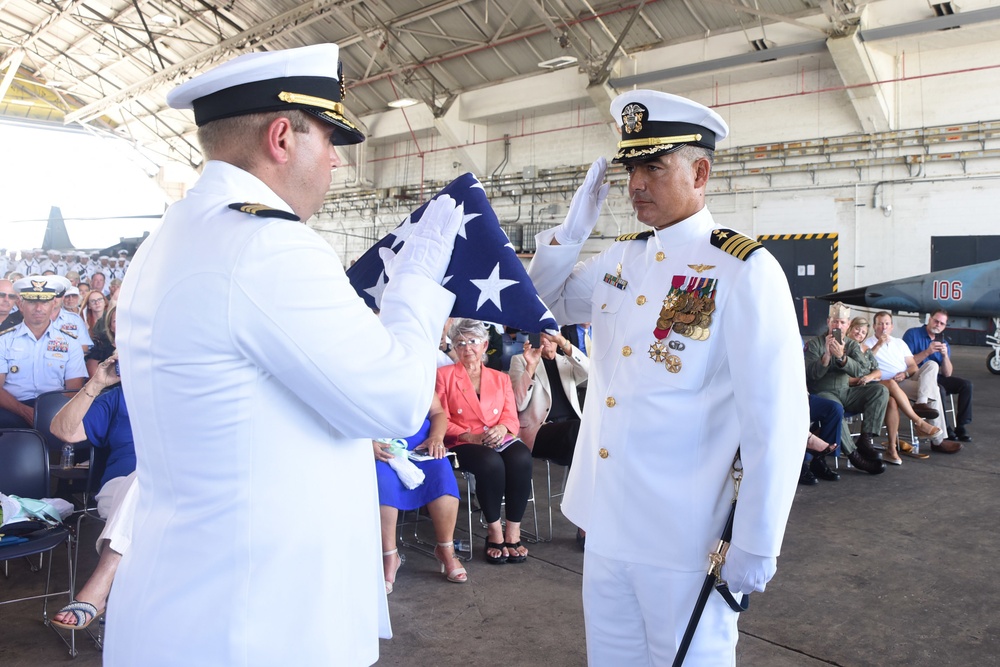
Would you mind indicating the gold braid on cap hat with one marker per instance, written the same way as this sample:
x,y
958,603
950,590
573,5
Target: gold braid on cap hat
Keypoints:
x,y
310,100
659,141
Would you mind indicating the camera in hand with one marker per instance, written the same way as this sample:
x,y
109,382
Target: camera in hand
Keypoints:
x,y
535,340
838,335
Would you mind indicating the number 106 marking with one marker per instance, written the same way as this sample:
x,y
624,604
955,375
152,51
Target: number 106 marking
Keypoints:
x,y
948,290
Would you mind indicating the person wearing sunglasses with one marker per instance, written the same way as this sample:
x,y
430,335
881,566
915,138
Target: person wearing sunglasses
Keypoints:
x,y
10,316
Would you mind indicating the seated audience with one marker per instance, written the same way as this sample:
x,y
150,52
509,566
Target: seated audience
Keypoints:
x,y
438,491
104,341
71,324
928,344
832,359
10,315
482,430
826,417
71,300
35,356
920,384
93,310
548,405
578,335
102,418
898,401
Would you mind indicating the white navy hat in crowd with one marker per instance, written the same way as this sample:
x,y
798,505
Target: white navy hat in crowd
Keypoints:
x,y
41,288
122,252
654,123
72,291
308,78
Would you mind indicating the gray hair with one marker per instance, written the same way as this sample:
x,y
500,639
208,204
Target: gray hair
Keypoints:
x,y
468,328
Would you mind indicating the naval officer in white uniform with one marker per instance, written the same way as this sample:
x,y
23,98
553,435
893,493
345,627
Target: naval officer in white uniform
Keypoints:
x,y
257,533
695,354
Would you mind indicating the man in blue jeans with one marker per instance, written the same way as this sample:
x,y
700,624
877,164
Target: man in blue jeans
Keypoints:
x,y
928,343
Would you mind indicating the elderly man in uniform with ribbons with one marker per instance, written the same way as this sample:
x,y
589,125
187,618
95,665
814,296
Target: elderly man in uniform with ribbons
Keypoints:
x,y
257,531
696,357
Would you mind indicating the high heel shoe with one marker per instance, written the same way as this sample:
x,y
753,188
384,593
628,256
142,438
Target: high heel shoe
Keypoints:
x,y
818,446
456,576
926,429
399,563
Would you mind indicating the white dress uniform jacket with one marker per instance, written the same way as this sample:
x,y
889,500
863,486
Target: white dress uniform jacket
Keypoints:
x,y
254,393
534,394
650,481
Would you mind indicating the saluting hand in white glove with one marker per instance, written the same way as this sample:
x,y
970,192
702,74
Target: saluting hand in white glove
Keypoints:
x,y
747,572
428,250
585,207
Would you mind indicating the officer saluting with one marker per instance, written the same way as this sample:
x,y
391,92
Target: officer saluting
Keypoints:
x,y
695,354
256,531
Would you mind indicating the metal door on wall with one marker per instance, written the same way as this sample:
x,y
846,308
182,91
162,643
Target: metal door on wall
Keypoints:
x,y
810,263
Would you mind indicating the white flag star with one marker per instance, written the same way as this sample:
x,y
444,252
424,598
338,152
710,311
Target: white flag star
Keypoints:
x,y
387,256
467,218
490,288
403,232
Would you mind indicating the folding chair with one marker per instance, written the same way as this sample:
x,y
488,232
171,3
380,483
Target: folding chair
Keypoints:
x,y
24,472
549,496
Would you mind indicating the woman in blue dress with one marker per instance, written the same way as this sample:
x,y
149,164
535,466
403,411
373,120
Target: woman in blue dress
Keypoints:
x,y
439,492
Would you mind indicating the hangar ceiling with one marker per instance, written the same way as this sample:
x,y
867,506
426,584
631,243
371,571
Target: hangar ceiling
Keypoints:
x,y
107,64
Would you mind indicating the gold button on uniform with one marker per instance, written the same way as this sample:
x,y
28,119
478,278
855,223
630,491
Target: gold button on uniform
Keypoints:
x,y
660,256
603,306
626,351
640,300
610,401
603,453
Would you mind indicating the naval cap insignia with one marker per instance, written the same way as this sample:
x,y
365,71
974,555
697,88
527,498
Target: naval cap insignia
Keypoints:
x,y
632,116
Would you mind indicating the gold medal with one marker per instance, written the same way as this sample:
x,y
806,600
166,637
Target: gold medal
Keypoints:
x,y
673,363
657,352
696,332
705,333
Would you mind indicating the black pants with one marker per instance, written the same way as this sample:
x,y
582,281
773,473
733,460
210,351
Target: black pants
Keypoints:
x,y
963,390
498,475
556,441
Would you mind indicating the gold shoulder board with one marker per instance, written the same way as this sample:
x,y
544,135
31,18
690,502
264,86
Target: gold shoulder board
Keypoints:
x,y
635,236
264,211
734,243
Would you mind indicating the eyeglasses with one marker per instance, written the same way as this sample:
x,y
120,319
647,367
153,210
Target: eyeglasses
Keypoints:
x,y
470,341
94,302
8,295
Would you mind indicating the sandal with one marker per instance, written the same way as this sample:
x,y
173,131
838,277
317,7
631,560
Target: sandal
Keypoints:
x,y
926,429
496,560
400,559
515,556
456,576
83,612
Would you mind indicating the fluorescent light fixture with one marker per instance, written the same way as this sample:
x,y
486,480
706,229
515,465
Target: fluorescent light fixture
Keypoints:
x,y
403,102
163,18
103,56
556,63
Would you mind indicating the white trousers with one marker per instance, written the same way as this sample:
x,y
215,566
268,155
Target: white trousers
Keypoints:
x,y
636,615
923,388
116,502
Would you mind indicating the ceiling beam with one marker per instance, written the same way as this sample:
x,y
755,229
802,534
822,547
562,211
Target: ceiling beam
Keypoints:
x,y
304,14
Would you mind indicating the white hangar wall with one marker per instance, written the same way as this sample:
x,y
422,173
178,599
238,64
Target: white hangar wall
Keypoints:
x,y
933,171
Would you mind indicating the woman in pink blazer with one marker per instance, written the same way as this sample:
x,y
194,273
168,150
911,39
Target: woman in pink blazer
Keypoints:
x,y
482,431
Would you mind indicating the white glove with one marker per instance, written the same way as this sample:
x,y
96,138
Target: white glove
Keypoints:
x,y
428,250
585,207
746,572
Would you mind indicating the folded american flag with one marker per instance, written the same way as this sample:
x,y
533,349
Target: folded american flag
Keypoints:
x,y
487,278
